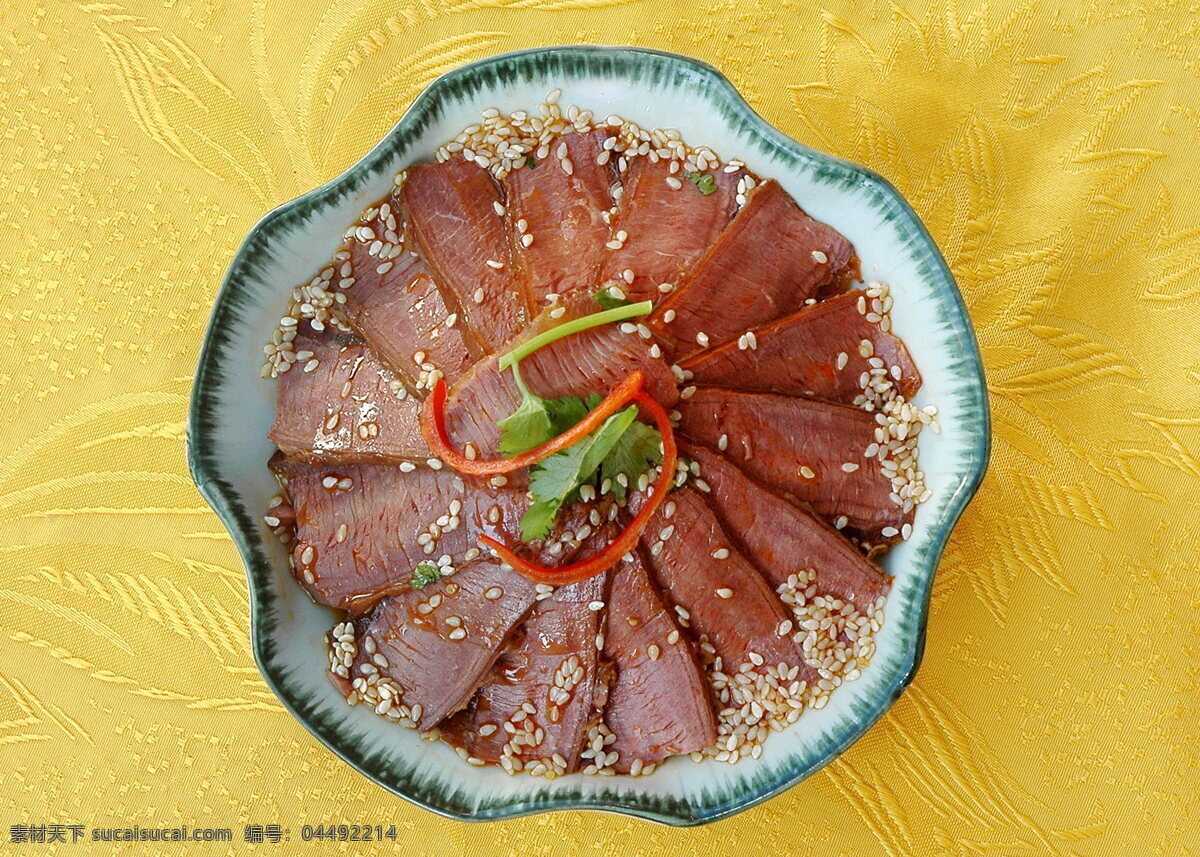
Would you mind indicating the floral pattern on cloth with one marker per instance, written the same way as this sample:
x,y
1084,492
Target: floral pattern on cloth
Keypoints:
x,y
1048,147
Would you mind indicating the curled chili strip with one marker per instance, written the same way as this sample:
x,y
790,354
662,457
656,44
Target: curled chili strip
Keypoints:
x,y
433,427
626,540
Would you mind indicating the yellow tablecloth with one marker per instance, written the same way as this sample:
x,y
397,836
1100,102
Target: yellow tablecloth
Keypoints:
x,y
1052,155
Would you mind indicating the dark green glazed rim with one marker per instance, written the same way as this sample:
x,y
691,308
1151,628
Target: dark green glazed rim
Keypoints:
x,y
221,368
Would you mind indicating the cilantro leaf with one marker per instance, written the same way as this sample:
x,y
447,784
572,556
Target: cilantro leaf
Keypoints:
x,y
606,300
538,519
528,426
558,476
566,412
424,574
604,440
639,449
704,182
556,479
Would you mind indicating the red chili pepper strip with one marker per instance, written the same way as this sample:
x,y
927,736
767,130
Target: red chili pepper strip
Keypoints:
x,y
433,427
628,538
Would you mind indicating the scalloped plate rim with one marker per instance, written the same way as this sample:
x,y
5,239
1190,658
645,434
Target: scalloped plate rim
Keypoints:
x,y
215,494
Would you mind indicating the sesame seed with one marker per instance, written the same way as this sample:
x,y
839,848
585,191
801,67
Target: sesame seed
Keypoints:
x,y
724,592
819,257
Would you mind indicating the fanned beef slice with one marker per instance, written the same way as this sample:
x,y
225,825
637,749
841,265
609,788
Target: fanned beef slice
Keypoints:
x,y
550,665
666,229
594,361
400,312
451,208
781,538
818,351
562,214
384,512
348,407
412,631
726,599
762,267
773,437
657,706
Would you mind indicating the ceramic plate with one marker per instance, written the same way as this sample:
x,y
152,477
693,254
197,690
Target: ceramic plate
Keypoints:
x,y
232,409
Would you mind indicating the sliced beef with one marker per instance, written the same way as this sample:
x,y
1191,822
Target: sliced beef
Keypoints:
x,y
780,440
728,603
362,529
658,703
667,229
436,643
822,350
549,666
394,305
594,361
338,403
452,208
561,212
782,538
770,259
